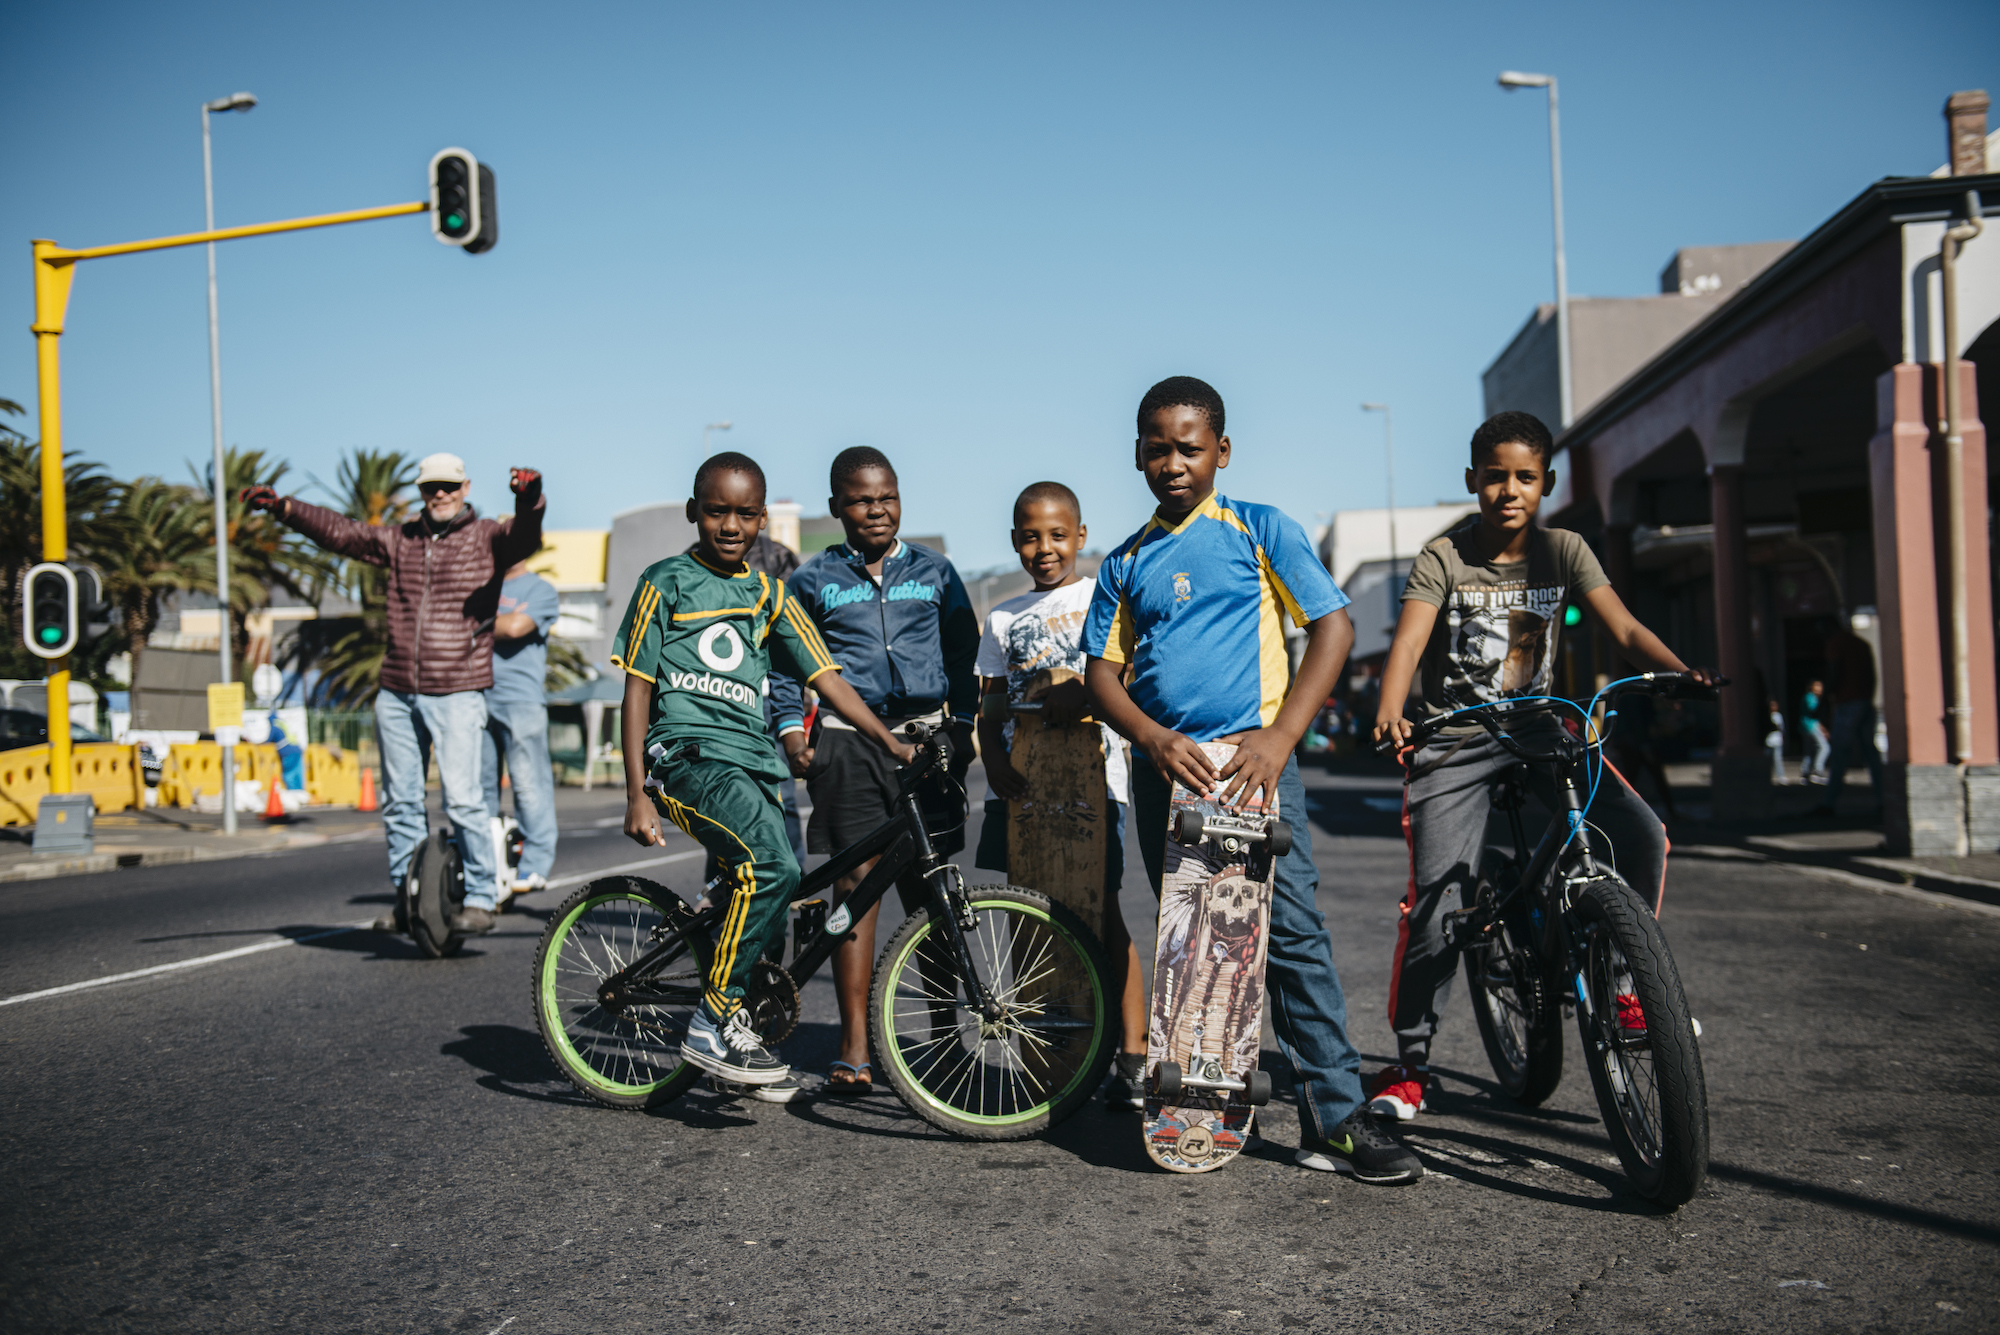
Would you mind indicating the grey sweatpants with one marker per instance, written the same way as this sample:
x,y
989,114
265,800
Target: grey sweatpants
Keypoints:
x,y
1445,814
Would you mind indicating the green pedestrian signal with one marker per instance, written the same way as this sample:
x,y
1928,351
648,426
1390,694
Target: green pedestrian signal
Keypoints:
x,y
49,607
465,204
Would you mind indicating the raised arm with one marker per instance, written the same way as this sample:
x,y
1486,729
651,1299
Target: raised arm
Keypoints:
x,y
333,532
521,536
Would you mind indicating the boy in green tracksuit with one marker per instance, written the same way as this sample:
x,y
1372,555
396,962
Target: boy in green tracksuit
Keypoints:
x,y
701,633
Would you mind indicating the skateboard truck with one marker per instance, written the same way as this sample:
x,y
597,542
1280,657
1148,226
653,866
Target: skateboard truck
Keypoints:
x,y
1205,1076
1235,834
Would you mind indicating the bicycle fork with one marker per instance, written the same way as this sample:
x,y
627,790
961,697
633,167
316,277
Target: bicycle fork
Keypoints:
x,y
954,912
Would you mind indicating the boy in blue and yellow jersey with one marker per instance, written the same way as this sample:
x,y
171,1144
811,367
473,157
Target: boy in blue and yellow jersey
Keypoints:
x,y
1188,608
696,643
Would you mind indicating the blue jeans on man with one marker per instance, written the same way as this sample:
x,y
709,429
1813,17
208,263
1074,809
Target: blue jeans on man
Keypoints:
x,y
1308,1009
519,731
408,728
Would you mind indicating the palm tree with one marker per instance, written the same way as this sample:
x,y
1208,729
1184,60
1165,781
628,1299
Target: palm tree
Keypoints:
x,y
373,486
164,543
264,555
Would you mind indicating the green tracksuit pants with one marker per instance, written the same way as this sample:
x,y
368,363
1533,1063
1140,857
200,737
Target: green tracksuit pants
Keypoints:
x,y
740,818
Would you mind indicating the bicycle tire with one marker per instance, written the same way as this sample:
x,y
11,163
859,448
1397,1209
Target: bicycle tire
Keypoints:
x,y
1064,1032
621,1060
1649,1082
1519,1016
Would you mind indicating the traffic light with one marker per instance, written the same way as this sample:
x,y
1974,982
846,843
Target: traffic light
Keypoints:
x,y
465,206
49,609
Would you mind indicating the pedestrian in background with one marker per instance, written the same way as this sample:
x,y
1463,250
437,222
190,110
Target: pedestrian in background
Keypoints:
x,y
517,729
1851,686
1811,722
1774,742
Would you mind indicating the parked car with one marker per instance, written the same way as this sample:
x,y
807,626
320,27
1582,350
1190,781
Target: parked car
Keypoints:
x,y
24,727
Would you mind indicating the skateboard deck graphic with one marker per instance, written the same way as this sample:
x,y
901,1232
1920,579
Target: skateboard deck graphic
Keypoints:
x,y
1207,1012
1056,835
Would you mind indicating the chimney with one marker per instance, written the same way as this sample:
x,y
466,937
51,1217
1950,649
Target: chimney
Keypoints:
x,y
1965,114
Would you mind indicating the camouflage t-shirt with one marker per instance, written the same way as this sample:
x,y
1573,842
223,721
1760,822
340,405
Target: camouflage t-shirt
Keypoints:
x,y
1499,622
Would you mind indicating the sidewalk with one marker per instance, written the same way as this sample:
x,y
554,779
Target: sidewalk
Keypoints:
x,y
155,836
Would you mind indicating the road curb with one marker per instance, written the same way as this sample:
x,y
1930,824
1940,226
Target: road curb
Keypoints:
x,y
95,863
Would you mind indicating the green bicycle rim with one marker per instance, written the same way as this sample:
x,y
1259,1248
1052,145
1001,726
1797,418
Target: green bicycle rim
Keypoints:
x,y
574,1063
1085,1069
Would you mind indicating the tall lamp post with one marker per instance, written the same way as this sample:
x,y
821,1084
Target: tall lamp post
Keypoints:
x,y
712,426
1510,80
1389,460
234,102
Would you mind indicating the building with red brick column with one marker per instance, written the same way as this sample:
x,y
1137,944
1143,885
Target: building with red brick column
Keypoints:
x,y
1778,471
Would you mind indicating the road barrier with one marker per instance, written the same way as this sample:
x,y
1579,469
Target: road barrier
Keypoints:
x,y
333,776
109,773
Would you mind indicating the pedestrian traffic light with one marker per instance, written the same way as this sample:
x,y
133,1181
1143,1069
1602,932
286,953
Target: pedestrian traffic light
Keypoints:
x,y
465,206
48,609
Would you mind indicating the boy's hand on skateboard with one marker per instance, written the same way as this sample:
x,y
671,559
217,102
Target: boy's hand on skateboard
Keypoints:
x,y
642,823
1259,760
798,755
1005,781
1181,759
1066,702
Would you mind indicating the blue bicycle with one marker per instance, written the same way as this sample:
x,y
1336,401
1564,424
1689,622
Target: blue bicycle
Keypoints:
x,y
1555,930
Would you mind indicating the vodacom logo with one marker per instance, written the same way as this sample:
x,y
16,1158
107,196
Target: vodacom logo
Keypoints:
x,y
720,647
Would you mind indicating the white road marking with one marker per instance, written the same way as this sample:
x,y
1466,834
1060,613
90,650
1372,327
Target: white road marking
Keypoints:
x,y
240,951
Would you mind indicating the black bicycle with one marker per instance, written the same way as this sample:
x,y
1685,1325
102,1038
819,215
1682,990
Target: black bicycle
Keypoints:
x,y
1557,931
987,1015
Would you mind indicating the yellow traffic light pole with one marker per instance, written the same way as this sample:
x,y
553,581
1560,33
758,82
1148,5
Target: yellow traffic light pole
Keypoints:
x,y
54,269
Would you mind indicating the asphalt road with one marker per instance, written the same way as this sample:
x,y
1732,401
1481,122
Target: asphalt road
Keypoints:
x,y
339,1135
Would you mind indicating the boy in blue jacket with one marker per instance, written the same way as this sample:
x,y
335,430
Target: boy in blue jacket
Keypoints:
x,y
1190,605
897,619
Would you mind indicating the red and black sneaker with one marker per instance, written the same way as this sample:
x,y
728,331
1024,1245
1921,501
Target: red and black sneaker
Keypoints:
x,y
1397,1092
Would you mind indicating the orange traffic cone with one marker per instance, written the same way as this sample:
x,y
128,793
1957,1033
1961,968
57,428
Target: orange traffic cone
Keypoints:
x,y
274,806
367,802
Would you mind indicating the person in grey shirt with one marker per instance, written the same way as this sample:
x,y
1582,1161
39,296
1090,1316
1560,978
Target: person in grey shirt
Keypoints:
x,y
517,724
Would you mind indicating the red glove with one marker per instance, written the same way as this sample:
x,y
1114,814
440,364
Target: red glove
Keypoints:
x,y
525,482
262,498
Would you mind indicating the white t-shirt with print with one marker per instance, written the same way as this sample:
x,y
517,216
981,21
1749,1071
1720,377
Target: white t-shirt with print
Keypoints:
x,y
1024,635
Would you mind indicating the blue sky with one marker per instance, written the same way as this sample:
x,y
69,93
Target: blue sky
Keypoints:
x,y
969,236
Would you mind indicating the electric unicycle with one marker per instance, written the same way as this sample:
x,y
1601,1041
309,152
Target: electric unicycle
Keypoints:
x,y
433,892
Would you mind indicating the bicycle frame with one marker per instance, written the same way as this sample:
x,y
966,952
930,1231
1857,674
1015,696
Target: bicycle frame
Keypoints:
x,y
903,842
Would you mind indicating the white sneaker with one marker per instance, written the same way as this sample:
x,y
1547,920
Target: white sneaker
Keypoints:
x,y
527,885
778,1091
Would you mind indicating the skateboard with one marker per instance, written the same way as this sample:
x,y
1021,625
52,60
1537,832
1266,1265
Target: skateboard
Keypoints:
x,y
1056,834
1207,1013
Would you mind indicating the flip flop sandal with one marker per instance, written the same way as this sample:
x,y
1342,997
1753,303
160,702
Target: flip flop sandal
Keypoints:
x,y
857,1082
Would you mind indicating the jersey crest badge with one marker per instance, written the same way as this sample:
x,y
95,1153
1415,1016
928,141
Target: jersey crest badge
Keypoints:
x,y
1183,589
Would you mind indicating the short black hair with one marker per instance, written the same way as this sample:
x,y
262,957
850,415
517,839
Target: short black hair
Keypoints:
x,y
1047,491
1183,391
851,461
1512,428
729,461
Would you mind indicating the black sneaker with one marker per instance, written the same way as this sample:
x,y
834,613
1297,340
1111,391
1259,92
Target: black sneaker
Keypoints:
x,y
1127,1092
731,1050
1358,1146
472,921
392,922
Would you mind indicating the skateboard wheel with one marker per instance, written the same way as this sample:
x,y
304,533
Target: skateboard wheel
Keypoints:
x,y
1281,838
1167,1079
1187,826
1259,1091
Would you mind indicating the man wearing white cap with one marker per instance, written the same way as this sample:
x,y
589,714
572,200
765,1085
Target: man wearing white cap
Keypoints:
x,y
445,568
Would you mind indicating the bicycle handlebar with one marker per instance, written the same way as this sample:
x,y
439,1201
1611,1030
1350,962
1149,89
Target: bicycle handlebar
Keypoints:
x,y
1669,685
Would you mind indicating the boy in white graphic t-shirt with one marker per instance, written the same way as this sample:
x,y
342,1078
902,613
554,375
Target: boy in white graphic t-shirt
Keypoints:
x,y
1023,636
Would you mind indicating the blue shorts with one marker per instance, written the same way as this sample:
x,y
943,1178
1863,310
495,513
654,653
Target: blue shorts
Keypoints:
x,y
992,851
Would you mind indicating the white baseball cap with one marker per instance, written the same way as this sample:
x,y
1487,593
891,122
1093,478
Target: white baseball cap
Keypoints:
x,y
440,468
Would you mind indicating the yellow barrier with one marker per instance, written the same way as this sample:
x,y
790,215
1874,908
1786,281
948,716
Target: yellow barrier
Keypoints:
x,y
109,773
333,776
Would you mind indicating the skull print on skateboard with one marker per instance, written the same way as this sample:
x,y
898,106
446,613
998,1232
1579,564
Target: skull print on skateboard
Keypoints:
x,y
1207,1014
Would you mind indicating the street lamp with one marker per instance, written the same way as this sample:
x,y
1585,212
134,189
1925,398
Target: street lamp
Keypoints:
x,y
1389,460
712,426
1510,80
234,102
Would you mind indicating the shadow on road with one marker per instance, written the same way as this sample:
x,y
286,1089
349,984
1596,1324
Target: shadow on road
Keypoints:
x,y
515,1063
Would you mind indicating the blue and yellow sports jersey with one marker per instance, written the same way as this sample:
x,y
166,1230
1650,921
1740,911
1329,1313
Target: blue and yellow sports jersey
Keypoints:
x,y
1194,608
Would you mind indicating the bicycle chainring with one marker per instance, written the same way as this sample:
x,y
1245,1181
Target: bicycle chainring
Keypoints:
x,y
772,1000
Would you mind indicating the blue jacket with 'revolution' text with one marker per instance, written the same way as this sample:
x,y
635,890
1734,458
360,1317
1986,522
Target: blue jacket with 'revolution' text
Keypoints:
x,y
907,644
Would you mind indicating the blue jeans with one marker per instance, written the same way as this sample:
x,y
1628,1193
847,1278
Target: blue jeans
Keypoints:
x,y
519,730
1308,1009
406,728
1853,741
